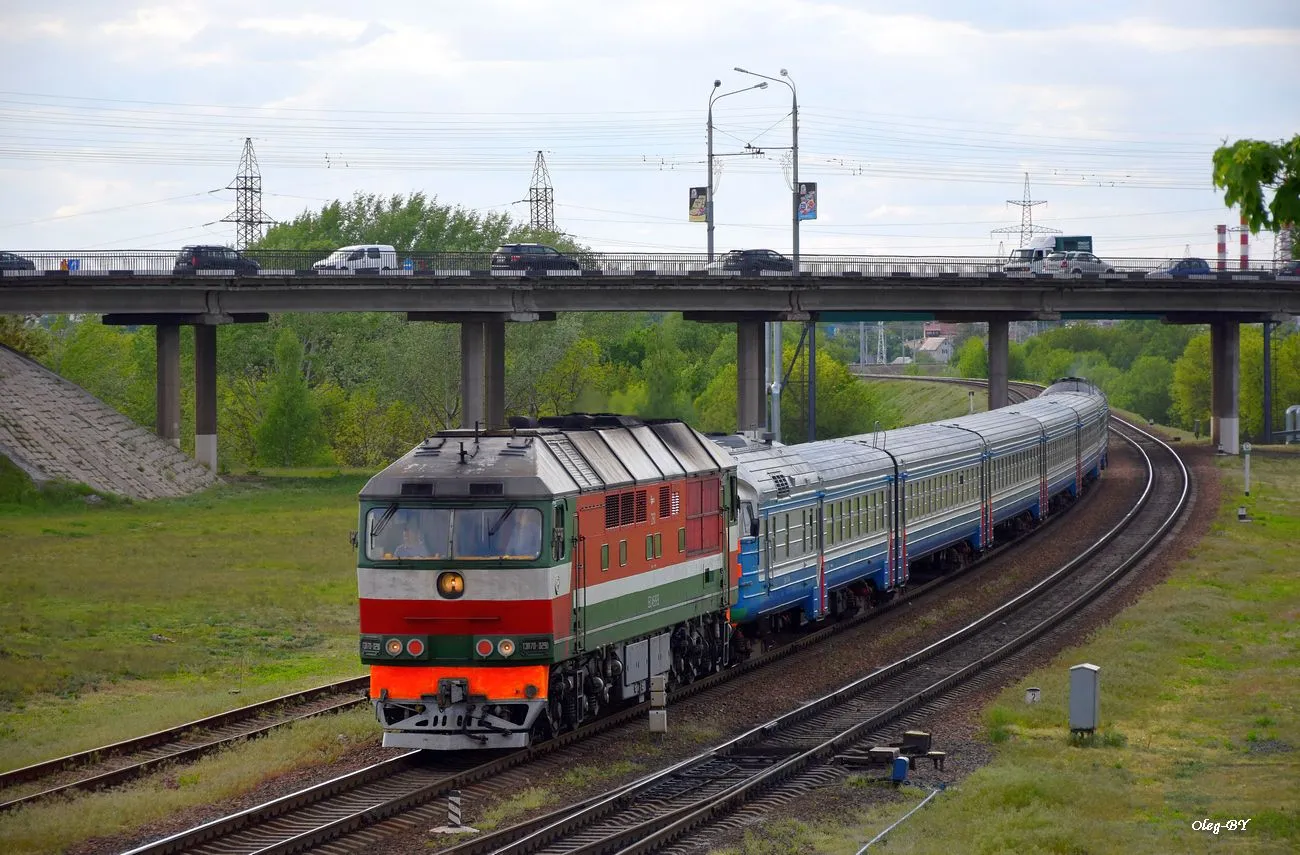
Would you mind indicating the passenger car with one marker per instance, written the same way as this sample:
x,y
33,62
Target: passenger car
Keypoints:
x,y
752,261
532,257
202,257
358,258
1181,267
1067,263
13,261
1290,268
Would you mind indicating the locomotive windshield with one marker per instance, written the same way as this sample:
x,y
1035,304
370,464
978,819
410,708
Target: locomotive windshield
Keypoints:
x,y
462,533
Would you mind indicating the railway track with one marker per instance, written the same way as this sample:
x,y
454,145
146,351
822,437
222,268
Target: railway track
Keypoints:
x,y
808,747
111,765
122,762
337,810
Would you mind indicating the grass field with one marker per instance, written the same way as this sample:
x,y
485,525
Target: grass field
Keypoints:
x,y
126,617
921,402
1199,709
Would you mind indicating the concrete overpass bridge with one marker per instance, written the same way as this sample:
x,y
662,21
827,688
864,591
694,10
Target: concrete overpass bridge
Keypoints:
x,y
141,288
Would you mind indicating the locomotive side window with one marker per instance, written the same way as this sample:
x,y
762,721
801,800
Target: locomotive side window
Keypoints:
x,y
557,536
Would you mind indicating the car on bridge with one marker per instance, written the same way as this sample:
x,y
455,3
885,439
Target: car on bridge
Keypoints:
x,y
192,259
1072,263
1290,268
752,261
1178,267
13,261
532,258
370,257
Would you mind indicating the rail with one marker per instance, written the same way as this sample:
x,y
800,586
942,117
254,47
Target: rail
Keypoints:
x,y
726,787
183,743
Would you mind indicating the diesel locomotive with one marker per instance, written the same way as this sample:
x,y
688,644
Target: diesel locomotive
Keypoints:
x,y
516,583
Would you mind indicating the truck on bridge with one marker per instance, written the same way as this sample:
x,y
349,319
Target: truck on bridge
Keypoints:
x,y
1025,259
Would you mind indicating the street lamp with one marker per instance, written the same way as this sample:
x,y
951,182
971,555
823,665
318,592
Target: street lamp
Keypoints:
x,y
794,122
708,200
777,355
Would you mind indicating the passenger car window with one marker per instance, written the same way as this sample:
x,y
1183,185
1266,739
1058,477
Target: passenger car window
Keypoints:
x,y
372,253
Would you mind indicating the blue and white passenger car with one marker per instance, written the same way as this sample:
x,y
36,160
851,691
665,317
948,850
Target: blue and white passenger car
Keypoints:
x,y
829,523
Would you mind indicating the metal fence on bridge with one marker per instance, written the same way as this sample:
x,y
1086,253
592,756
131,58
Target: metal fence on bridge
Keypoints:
x,y
298,262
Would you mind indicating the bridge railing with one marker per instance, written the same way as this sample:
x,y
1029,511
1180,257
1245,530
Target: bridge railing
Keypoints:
x,y
297,262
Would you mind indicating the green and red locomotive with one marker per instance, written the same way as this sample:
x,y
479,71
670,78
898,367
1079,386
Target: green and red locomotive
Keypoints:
x,y
515,583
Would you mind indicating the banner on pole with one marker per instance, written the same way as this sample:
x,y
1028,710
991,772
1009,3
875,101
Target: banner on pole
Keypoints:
x,y
699,205
808,201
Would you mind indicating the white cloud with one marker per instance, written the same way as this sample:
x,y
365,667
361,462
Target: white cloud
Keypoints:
x,y
167,24
306,25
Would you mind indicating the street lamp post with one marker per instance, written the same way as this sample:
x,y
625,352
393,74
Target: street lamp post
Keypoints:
x,y
777,350
708,201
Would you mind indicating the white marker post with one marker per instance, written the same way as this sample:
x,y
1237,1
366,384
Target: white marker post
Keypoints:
x,y
659,703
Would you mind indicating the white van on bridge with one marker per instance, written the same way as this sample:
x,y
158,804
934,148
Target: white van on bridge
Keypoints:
x,y
362,257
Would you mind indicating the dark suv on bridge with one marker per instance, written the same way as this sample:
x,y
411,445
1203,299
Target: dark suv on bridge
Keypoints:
x,y
751,261
194,258
13,261
532,257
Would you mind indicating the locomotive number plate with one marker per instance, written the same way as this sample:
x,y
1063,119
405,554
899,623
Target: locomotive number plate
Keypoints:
x,y
371,646
535,646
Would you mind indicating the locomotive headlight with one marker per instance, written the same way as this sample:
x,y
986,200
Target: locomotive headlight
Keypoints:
x,y
451,585
393,646
505,647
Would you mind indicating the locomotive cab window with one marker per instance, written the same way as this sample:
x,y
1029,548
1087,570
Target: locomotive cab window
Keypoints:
x,y
408,533
511,532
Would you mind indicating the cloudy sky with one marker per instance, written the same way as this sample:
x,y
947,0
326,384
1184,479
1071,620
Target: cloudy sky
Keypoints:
x,y
121,123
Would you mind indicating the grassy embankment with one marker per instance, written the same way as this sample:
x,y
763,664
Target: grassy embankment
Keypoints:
x,y
921,402
129,617
1199,710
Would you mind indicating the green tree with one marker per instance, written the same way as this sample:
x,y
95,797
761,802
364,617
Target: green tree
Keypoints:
x,y
241,406
1248,170
845,406
1191,386
717,405
579,376
972,360
1146,388
29,338
115,364
290,434
414,223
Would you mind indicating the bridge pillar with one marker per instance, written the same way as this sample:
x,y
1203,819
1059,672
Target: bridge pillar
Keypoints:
x,y
999,354
168,399
1225,359
205,395
812,380
494,340
473,346
749,376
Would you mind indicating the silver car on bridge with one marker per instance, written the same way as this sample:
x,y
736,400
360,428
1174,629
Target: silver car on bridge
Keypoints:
x,y
1072,264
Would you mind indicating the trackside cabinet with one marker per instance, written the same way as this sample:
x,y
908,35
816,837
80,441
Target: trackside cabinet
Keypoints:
x,y
1085,697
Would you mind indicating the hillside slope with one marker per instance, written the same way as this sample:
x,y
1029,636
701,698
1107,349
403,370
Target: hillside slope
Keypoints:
x,y
54,430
